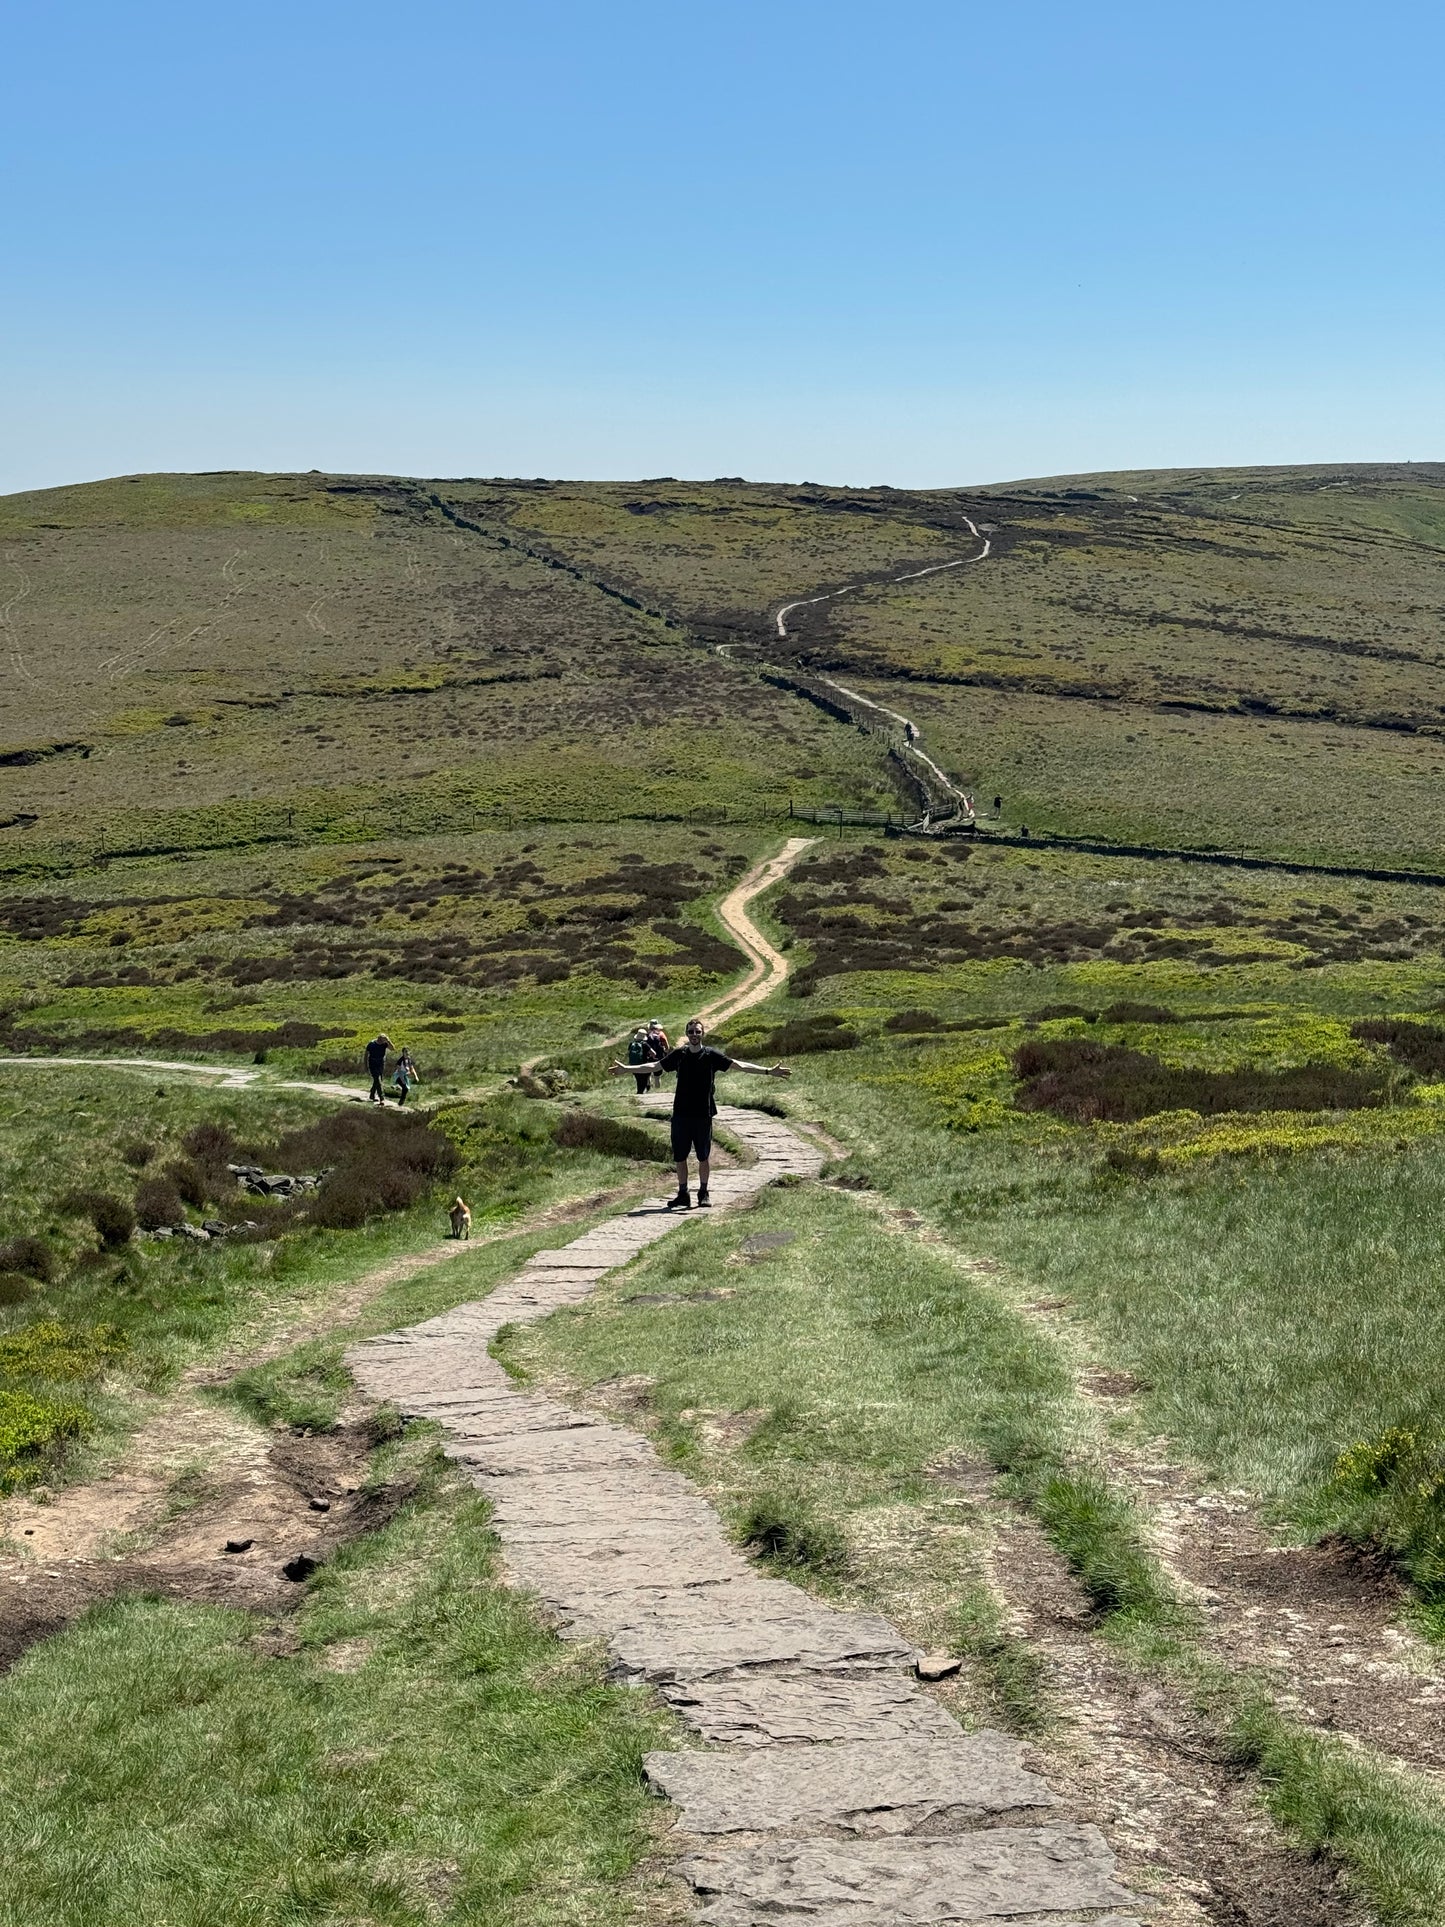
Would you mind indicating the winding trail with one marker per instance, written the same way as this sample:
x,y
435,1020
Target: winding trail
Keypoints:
x,y
912,735
835,1792
767,967
908,575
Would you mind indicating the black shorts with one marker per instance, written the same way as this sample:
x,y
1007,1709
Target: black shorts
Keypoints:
x,y
691,1134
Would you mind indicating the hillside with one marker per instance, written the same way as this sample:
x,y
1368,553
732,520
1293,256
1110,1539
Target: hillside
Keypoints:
x,y
1101,1357
1239,659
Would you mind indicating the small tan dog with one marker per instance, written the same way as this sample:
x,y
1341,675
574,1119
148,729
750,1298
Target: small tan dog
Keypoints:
x,y
461,1219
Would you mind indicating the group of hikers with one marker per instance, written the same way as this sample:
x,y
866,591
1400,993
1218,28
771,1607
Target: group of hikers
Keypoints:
x,y
695,1064
403,1075
646,1049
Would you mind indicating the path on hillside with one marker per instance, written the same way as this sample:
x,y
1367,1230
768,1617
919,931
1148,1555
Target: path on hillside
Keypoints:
x,y
835,1791
912,735
908,575
768,968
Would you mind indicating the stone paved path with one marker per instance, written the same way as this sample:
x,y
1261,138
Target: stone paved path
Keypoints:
x,y
833,1791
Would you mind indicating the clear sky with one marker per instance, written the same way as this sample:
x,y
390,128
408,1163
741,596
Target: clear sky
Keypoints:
x,y
910,243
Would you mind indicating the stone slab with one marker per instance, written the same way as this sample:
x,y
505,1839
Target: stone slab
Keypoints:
x,y
779,1709
998,1873
662,1647
874,1787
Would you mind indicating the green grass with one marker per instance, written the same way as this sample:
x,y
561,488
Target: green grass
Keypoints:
x,y
429,1754
124,1320
864,1360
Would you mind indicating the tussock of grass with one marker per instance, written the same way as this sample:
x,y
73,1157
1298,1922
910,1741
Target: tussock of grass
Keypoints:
x,y
1016,1674
306,1388
787,1531
1386,1827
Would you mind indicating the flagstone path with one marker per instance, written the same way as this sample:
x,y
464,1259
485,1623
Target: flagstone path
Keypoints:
x,y
832,1790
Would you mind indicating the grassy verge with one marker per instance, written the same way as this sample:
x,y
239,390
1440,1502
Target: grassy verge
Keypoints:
x,y
428,1754
831,1395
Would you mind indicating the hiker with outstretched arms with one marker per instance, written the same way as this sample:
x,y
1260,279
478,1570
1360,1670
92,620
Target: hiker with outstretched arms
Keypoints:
x,y
696,1066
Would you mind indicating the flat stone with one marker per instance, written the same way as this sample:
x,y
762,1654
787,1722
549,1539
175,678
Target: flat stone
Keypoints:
x,y
558,1451
690,1643
865,1787
604,1495
763,1242
782,1709
933,1666
997,1873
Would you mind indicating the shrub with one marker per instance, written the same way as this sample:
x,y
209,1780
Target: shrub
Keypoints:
x,y
190,1181
138,1155
1046,1012
581,1131
1390,1491
29,1423
1127,1013
912,1022
114,1220
375,1161
51,1350
32,1257
157,1204
787,1532
1076,1078
15,1288
804,1034
1420,1047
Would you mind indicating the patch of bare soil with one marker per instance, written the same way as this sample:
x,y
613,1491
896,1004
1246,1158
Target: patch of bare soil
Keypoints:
x,y
243,1529
1136,1759
1324,1621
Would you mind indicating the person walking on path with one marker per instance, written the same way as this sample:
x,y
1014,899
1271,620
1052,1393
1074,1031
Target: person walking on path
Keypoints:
x,y
657,1043
640,1058
376,1064
697,1066
405,1075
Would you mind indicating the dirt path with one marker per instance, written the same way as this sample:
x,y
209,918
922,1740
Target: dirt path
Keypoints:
x,y
767,967
909,575
228,1077
912,735
834,1788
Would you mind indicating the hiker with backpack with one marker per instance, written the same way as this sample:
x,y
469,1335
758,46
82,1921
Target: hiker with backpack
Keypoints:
x,y
697,1066
640,1058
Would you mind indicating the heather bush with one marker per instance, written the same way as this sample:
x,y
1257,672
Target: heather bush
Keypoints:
x,y
31,1257
613,1137
1086,1082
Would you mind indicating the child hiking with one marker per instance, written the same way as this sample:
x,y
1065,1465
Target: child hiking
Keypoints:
x,y
404,1076
697,1067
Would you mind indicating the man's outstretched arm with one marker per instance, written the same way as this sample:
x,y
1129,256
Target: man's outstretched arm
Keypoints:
x,y
760,1070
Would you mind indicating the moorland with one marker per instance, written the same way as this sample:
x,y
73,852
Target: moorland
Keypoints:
x,y
1106,1352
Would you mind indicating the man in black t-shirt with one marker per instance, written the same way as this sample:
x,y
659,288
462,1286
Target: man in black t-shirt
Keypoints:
x,y
697,1066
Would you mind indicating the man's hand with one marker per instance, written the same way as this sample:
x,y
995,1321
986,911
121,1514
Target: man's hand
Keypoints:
x,y
779,1070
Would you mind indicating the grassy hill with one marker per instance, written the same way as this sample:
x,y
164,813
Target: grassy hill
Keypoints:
x,y
1137,1196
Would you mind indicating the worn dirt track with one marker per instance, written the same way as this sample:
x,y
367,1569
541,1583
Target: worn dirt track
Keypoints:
x,y
767,967
836,1792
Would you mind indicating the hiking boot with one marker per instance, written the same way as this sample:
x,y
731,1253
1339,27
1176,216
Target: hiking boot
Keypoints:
x,y
682,1202
703,1199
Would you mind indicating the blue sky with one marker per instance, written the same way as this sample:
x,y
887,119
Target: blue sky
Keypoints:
x,y
919,244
